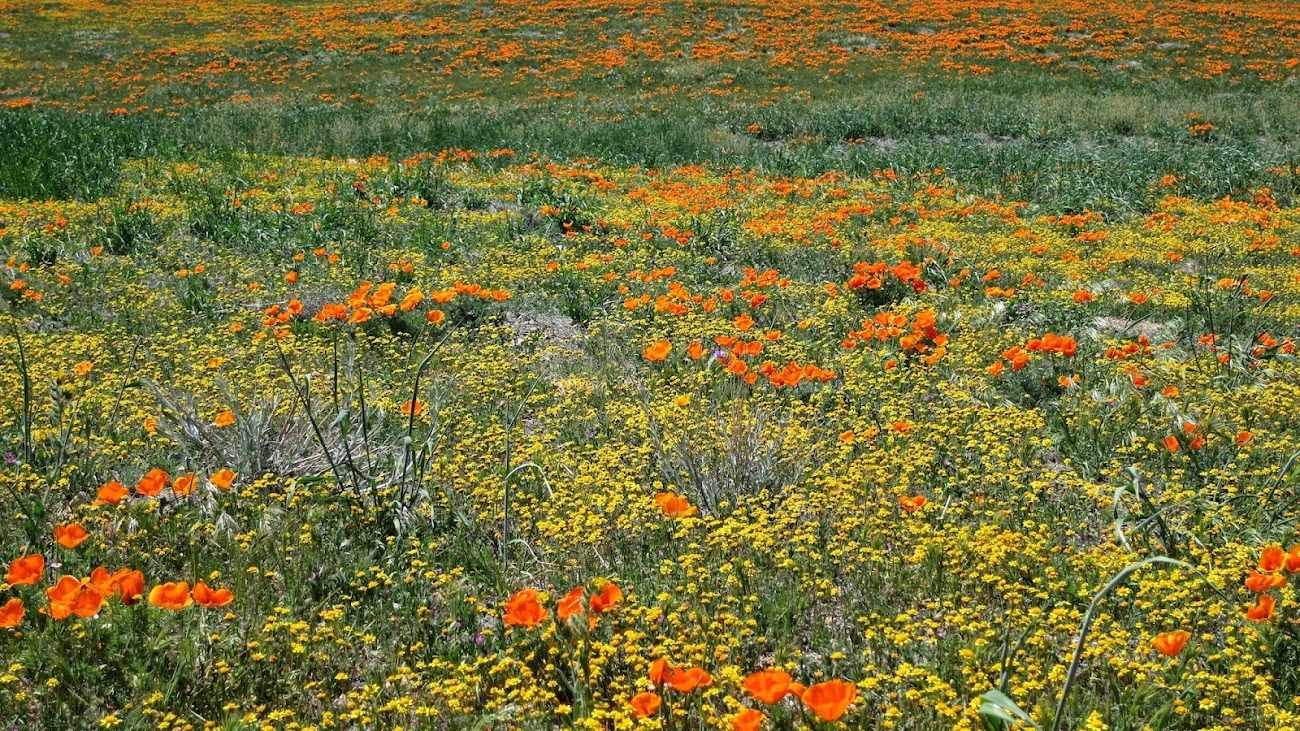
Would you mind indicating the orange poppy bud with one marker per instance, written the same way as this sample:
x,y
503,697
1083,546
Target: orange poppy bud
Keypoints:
x,y
645,705
768,686
1170,644
209,597
70,536
26,570
11,613
831,699
172,595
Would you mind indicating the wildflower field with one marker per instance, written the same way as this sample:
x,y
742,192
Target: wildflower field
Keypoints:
x,y
622,364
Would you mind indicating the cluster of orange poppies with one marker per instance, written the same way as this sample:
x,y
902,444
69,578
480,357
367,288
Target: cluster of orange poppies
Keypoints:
x,y
524,608
1274,566
86,597
369,299
1019,357
156,480
828,701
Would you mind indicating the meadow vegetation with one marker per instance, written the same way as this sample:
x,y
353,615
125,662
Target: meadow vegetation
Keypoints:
x,y
649,365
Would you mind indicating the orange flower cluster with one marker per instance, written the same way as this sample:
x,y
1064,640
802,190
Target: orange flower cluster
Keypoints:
x,y
155,481
1050,343
829,701
875,275
1274,566
524,608
369,300
919,334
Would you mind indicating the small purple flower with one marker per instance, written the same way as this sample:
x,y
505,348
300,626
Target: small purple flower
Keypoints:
x,y
11,459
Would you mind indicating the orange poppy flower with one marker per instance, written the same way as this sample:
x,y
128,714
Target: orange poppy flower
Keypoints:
x,y
1243,437
910,503
171,595
130,585
26,570
208,597
646,704
675,506
571,604
1171,443
658,671
103,581
72,596
695,351
524,610
70,536
768,686
1293,560
222,479
607,599
11,613
152,483
1170,643
1260,583
748,720
224,419
1272,559
87,602
658,351
1263,609
184,485
112,492
831,699
685,681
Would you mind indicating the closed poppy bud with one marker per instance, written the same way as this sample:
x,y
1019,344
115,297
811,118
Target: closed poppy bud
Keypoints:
x,y
1272,559
26,570
1170,644
1263,609
11,613
768,686
831,699
747,720
209,597
172,595
70,536
646,704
